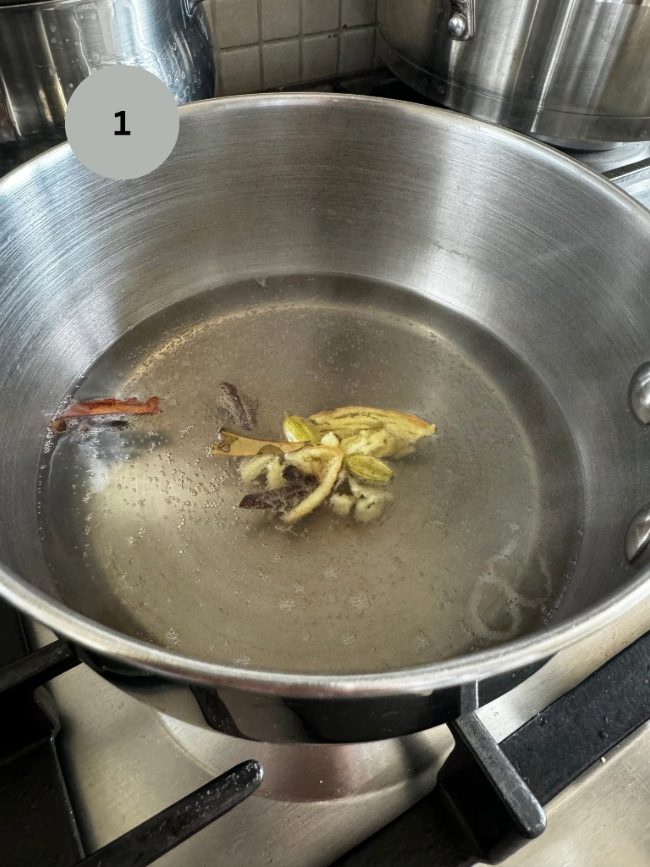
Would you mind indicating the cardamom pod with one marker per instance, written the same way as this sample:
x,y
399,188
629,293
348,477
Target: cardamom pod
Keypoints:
x,y
298,430
368,469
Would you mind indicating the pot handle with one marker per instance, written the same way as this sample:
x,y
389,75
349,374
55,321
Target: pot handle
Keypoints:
x,y
461,24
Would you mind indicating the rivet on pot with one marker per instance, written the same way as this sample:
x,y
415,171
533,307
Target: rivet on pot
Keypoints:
x,y
638,534
457,26
640,393
460,24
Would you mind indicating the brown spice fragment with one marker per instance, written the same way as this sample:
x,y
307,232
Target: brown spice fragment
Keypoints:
x,y
105,406
238,408
87,423
281,499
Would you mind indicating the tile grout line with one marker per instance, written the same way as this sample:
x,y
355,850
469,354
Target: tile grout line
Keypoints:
x,y
260,40
216,51
276,39
375,37
374,40
339,39
301,73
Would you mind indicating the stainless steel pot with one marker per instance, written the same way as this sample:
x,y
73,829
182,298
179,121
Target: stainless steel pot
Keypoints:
x,y
347,249
48,47
575,74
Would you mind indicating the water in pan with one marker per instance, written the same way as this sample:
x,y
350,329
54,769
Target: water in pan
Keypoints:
x,y
141,526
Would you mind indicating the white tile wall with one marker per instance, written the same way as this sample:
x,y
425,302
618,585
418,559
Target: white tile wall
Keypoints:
x,y
320,56
280,62
240,70
320,15
357,48
356,12
280,19
261,44
237,22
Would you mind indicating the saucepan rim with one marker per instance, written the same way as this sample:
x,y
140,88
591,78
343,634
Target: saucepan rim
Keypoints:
x,y
37,5
425,678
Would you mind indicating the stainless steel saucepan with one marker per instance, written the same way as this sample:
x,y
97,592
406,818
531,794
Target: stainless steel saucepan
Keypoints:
x,y
48,47
572,73
316,251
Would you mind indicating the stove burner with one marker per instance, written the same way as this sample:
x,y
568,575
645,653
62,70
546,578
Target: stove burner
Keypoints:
x,y
494,790
321,772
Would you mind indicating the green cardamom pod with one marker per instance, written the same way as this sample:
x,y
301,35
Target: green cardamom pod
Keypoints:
x,y
368,469
299,430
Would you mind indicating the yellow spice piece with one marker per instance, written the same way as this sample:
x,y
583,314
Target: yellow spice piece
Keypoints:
x,y
298,430
368,469
369,430
370,502
377,443
232,445
325,463
342,504
352,419
330,439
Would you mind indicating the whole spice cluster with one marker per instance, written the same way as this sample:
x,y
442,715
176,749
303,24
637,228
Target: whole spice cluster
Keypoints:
x,y
335,457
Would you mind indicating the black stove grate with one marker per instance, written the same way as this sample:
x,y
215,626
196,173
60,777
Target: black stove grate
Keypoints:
x,y
37,823
495,791
157,836
544,755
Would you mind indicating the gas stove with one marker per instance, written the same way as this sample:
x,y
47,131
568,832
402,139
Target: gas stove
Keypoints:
x,y
89,763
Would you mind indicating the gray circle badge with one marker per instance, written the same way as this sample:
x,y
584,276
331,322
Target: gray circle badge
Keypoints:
x,y
122,122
